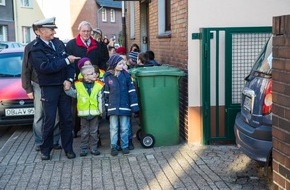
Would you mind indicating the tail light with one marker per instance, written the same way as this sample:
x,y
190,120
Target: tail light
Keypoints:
x,y
267,103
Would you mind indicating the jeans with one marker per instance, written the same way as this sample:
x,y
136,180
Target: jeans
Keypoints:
x,y
38,118
130,130
121,123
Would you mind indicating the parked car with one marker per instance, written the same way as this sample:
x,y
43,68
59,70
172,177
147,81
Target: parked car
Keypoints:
x,y
7,44
15,107
253,125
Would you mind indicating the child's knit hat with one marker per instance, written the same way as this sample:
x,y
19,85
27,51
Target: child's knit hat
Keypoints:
x,y
133,55
121,50
113,61
82,61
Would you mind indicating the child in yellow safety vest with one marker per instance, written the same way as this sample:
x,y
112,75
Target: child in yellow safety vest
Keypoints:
x,y
88,91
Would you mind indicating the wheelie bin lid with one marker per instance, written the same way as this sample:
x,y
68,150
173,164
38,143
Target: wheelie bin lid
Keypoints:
x,y
156,71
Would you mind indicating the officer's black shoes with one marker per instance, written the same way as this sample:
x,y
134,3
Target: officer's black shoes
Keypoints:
x,y
56,147
95,152
70,155
84,152
37,148
45,157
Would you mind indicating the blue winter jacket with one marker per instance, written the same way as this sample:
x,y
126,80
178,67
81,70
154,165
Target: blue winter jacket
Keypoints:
x,y
50,65
120,94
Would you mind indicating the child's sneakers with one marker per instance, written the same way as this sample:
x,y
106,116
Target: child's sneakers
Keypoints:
x,y
114,152
126,151
95,152
131,145
84,152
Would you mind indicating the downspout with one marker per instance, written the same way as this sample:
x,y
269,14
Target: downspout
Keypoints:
x,y
124,41
98,16
15,20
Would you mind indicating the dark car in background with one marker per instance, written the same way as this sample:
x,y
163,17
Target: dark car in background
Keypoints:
x,y
253,125
15,107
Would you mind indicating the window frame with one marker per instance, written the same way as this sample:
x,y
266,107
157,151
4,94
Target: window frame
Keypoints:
x,y
164,18
3,2
27,32
113,15
132,20
104,15
4,32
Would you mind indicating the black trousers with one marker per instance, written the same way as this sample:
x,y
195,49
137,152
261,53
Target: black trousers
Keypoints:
x,y
53,98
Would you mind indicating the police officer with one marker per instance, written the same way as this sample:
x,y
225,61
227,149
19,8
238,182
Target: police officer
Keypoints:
x,y
54,71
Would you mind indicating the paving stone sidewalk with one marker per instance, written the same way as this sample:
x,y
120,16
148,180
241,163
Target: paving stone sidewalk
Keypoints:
x,y
179,167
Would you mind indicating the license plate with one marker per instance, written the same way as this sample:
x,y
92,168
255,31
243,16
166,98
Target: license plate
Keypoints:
x,y
248,103
19,111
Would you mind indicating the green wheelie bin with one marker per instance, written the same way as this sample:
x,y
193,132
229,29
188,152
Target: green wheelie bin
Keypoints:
x,y
158,93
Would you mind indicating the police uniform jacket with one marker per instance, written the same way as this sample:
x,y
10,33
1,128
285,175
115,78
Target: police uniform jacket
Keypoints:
x,y
50,65
120,94
77,48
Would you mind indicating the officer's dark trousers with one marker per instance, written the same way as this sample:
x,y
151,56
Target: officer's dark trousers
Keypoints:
x,y
54,97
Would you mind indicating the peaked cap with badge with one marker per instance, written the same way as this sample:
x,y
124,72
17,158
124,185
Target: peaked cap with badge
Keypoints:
x,y
44,23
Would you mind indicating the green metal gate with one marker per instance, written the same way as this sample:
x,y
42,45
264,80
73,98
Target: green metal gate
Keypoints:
x,y
227,57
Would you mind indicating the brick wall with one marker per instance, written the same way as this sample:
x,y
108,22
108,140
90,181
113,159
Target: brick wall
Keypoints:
x,y
281,102
172,50
83,11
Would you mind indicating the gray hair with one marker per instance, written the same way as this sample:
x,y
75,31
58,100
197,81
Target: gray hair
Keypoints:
x,y
83,23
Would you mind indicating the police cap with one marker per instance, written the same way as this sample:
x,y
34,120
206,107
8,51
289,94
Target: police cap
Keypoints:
x,y
44,23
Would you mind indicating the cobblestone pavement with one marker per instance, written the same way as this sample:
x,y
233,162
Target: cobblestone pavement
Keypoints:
x,y
179,167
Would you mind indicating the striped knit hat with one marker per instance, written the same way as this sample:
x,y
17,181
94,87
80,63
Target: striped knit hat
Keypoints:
x,y
133,55
113,61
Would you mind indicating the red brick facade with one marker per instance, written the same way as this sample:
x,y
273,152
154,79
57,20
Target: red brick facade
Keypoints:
x,y
281,102
90,11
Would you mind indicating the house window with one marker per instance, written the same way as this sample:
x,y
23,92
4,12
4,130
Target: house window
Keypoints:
x,y
26,3
2,2
167,15
3,33
132,19
113,15
104,15
26,34
164,17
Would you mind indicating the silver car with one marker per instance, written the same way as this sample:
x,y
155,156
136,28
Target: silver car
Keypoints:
x,y
253,125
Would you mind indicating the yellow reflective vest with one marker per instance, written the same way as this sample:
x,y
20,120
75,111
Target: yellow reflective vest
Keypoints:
x,y
89,104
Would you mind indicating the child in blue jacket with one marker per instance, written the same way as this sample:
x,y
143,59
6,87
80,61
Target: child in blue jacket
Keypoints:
x,y
120,101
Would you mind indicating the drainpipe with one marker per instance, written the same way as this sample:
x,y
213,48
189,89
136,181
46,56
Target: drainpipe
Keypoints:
x,y
16,20
124,40
98,16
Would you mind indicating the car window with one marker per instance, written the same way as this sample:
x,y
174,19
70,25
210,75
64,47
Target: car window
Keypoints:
x,y
10,65
3,46
264,62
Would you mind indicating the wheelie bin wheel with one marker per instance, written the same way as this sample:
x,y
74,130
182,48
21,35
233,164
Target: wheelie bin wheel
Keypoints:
x,y
148,141
139,134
